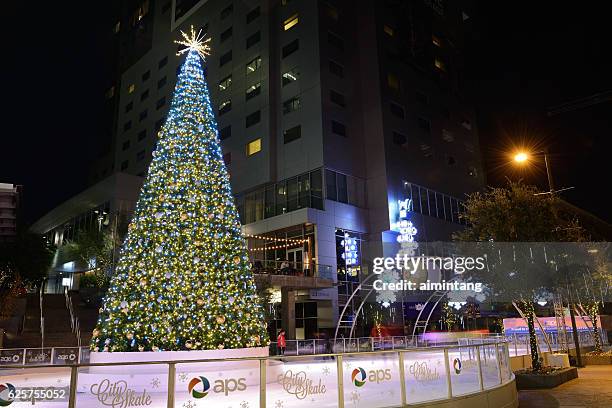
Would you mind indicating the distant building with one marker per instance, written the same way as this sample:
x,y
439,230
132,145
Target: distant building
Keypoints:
x,y
10,202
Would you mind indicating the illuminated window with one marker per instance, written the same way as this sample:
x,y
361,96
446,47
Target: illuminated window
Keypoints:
x,y
110,93
436,41
131,88
438,63
290,22
393,82
253,65
253,147
225,83
225,107
253,91
388,30
117,27
291,76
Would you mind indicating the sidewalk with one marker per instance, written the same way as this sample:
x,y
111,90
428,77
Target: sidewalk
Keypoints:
x,y
592,389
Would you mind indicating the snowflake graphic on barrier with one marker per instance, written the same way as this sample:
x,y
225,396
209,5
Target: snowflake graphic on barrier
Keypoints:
x,y
182,377
355,397
326,370
244,404
155,382
278,404
189,404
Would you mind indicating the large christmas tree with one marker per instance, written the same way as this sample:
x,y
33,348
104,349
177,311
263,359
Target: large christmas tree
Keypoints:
x,y
183,279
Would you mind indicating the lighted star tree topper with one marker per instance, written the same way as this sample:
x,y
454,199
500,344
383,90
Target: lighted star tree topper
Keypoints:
x,y
183,280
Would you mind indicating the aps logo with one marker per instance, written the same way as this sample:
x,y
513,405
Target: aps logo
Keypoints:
x,y
7,394
359,376
203,390
199,386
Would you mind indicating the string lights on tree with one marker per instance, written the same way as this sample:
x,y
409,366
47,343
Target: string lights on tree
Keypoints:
x,y
183,279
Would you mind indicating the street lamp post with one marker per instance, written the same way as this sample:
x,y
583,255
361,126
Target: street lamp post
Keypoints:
x,y
523,157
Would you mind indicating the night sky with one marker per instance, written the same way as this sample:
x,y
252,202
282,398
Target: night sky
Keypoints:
x,y
522,58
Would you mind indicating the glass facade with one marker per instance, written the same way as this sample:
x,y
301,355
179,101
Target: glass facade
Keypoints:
x,y
435,204
303,191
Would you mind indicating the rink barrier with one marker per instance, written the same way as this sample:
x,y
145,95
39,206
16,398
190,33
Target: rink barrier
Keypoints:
x,y
475,354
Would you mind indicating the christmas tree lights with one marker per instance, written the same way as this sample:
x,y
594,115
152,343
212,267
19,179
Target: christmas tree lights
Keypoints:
x,y
183,280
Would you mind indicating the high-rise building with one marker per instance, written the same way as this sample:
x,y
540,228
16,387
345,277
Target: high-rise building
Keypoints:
x,y
10,202
331,114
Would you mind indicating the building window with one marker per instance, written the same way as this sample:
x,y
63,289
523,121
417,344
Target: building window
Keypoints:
x,y
399,138
291,105
126,145
162,63
227,158
472,171
225,132
225,83
291,76
253,65
140,155
424,124
448,136
253,91
336,69
142,134
143,115
290,22
422,98
253,147
253,118
331,11
158,124
439,64
225,58
166,7
393,82
436,41
338,128
397,110
161,83
292,134
131,88
127,125
388,30
450,160
252,15
144,95
225,107
335,40
226,12
226,34
337,98
466,124
160,102
129,107
253,39
146,75
426,150
290,48
124,164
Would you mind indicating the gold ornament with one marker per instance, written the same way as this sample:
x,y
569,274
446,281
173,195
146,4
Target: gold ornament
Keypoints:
x,y
130,336
188,344
237,260
200,302
220,319
220,346
183,217
95,333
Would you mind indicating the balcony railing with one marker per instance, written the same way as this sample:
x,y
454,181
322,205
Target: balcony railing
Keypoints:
x,y
288,268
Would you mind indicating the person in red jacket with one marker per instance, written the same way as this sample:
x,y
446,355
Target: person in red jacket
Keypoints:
x,y
281,342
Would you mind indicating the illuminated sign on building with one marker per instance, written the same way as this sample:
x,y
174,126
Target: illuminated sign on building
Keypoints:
x,y
350,254
404,225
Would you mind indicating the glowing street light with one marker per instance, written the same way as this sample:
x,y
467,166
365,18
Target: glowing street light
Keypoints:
x,y
522,157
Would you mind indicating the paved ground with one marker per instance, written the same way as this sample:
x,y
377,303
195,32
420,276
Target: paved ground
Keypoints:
x,y
592,389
